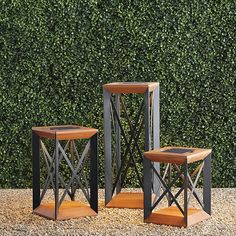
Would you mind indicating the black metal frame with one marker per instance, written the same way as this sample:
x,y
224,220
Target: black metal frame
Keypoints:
x,y
134,137
188,184
142,120
54,177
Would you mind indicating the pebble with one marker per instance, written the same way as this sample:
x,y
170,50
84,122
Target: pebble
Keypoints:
x,y
16,218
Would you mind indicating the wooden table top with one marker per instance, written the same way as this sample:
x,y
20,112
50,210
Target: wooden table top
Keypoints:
x,y
130,87
64,132
177,155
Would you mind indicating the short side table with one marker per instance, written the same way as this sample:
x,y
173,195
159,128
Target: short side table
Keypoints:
x,y
59,208
178,161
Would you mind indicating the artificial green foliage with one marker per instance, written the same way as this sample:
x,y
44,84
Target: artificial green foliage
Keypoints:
x,y
55,55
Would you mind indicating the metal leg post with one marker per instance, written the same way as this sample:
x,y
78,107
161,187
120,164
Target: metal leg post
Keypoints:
x,y
56,178
156,136
207,185
73,185
185,165
147,187
147,120
36,170
118,147
107,143
169,181
94,173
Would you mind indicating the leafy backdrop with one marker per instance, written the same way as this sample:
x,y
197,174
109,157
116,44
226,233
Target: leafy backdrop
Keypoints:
x,y
55,55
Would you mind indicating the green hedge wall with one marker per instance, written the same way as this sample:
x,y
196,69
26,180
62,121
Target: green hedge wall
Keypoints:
x,y
56,54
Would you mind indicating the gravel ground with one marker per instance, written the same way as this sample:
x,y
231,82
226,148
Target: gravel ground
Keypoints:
x,y
16,219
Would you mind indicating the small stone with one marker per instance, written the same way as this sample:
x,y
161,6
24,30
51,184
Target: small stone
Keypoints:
x,y
16,218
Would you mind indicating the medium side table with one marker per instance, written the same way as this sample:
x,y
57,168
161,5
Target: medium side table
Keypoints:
x,y
55,156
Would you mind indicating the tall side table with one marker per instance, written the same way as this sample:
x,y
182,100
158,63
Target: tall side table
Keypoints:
x,y
127,150
59,209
